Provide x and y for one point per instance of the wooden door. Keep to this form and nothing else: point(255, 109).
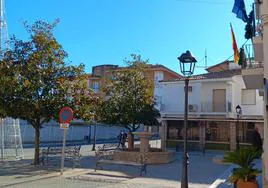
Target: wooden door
point(219, 100)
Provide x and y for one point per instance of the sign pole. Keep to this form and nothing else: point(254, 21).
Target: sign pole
point(62, 151)
point(65, 117)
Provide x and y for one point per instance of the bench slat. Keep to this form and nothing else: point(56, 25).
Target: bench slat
point(72, 152)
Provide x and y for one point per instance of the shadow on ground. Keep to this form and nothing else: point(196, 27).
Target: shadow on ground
point(201, 169)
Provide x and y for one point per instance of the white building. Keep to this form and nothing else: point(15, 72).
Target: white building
point(213, 98)
point(256, 75)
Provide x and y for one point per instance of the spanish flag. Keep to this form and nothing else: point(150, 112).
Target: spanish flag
point(236, 52)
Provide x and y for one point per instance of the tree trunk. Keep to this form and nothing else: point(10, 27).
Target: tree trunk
point(37, 146)
point(130, 141)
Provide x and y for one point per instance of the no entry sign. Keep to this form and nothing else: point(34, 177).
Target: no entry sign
point(66, 115)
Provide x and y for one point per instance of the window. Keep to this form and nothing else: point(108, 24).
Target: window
point(248, 96)
point(96, 86)
point(246, 131)
point(176, 130)
point(217, 131)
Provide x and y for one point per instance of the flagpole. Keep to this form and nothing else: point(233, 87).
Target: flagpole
point(254, 24)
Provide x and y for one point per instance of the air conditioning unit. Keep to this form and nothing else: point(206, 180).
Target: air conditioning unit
point(193, 108)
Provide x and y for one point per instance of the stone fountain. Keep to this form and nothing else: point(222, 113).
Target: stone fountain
point(153, 155)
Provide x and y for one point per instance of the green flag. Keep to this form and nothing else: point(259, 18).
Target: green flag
point(242, 58)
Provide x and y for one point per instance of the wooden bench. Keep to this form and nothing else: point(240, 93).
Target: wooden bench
point(105, 153)
point(72, 153)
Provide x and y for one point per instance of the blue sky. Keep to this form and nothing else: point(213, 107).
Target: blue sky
point(97, 32)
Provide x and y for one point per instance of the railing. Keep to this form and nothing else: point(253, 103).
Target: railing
point(254, 65)
point(203, 107)
point(210, 106)
point(253, 56)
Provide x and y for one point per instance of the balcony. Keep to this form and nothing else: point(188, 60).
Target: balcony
point(203, 110)
point(252, 71)
point(216, 107)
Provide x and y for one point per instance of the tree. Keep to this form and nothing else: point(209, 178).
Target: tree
point(249, 29)
point(84, 101)
point(37, 82)
point(129, 97)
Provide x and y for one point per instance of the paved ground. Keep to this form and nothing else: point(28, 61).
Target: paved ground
point(202, 173)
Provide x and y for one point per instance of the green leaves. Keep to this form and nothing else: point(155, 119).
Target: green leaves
point(130, 99)
point(36, 79)
point(246, 174)
point(36, 82)
point(244, 158)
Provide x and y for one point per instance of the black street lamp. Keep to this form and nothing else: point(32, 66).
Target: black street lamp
point(94, 135)
point(187, 65)
point(238, 115)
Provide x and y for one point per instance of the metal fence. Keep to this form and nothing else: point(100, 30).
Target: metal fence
point(10, 139)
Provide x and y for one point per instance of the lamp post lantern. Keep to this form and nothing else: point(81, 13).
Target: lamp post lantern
point(187, 65)
point(238, 115)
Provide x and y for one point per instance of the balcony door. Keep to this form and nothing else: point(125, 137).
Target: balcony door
point(219, 100)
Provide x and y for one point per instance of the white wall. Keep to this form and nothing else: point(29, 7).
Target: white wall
point(173, 95)
point(51, 132)
point(172, 99)
point(234, 66)
point(256, 109)
point(158, 90)
point(202, 93)
point(207, 92)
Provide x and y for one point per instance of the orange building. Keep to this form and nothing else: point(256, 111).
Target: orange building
point(156, 73)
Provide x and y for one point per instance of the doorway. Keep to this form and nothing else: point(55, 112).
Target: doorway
point(219, 100)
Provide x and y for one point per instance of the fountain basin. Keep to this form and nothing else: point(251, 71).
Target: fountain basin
point(153, 157)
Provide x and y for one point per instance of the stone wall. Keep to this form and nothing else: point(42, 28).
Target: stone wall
point(152, 157)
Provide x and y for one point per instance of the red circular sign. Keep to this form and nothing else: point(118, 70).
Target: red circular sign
point(66, 115)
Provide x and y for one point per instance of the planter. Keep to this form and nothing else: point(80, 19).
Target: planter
point(248, 184)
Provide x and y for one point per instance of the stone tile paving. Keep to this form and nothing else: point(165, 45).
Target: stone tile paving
point(202, 173)
point(60, 182)
point(18, 171)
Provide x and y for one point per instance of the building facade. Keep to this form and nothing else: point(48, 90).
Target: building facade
point(213, 98)
point(255, 74)
point(155, 73)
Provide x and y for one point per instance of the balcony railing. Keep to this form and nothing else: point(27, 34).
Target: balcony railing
point(211, 106)
point(254, 65)
point(208, 107)
point(254, 55)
